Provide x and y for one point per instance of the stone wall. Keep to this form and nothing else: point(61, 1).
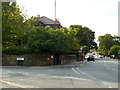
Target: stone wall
point(36, 59)
point(67, 58)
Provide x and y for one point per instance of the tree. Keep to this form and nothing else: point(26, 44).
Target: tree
point(105, 43)
point(71, 38)
point(12, 25)
point(84, 35)
point(117, 40)
point(114, 50)
point(50, 40)
point(31, 22)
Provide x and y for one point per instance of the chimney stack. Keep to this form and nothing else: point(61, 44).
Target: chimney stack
point(38, 16)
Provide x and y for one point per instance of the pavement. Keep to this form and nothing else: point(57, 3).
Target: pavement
point(73, 64)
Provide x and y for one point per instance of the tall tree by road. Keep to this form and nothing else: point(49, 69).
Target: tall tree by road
point(84, 35)
point(12, 25)
point(105, 43)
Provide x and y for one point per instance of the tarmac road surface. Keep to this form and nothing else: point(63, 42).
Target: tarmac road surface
point(103, 73)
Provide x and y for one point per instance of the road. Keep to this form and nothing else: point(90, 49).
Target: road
point(103, 73)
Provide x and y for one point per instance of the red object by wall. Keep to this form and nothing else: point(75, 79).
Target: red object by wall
point(48, 59)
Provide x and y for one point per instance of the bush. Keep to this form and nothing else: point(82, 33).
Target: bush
point(114, 50)
point(15, 50)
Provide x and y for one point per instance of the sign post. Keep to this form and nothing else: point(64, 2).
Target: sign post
point(82, 53)
point(20, 61)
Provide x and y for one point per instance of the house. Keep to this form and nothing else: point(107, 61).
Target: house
point(45, 21)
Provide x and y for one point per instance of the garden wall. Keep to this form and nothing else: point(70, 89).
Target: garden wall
point(36, 59)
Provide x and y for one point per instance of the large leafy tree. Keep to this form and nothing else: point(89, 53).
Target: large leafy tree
point(84, 35)
point(105, 43)
point(29, 24)
point(49, 40)
point(12, 25)
point(71, 40)
point(37, 39)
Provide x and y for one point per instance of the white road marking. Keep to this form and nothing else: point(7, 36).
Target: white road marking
point(110, 84)
point(109, 87)
point(75, 71)
point(110, 67)
point(66, 77)
point(18, 85)
point(93, 78)
point(81, 72)
point(106, 84)
point(85, 73)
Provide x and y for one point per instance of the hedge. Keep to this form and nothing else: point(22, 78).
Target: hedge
point(15, 50)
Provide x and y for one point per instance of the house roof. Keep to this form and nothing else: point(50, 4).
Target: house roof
point(48, 21)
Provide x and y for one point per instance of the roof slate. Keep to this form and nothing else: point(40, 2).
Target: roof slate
point(46, 20)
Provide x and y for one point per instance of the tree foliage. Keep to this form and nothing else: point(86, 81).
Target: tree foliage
point(117, 40)
point(55, 41)
point(106, 42)
point(12, 25)
point(114, 50)
point(28, 34)
point(84, 35)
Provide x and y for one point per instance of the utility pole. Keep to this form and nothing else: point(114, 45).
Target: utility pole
point(55, 10)
point(54, 55)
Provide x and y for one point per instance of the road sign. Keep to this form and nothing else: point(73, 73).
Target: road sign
point(51, 56)
point(20, 59)
point(81, 48)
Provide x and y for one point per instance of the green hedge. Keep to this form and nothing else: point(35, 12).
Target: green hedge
point(15, 50)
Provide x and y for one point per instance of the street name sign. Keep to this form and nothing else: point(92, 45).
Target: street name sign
point(20, 58)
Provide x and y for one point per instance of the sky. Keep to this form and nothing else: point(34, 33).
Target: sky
point(101, 16)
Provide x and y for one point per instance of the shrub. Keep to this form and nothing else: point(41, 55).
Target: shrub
point(15, 50)
point(114, 50)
